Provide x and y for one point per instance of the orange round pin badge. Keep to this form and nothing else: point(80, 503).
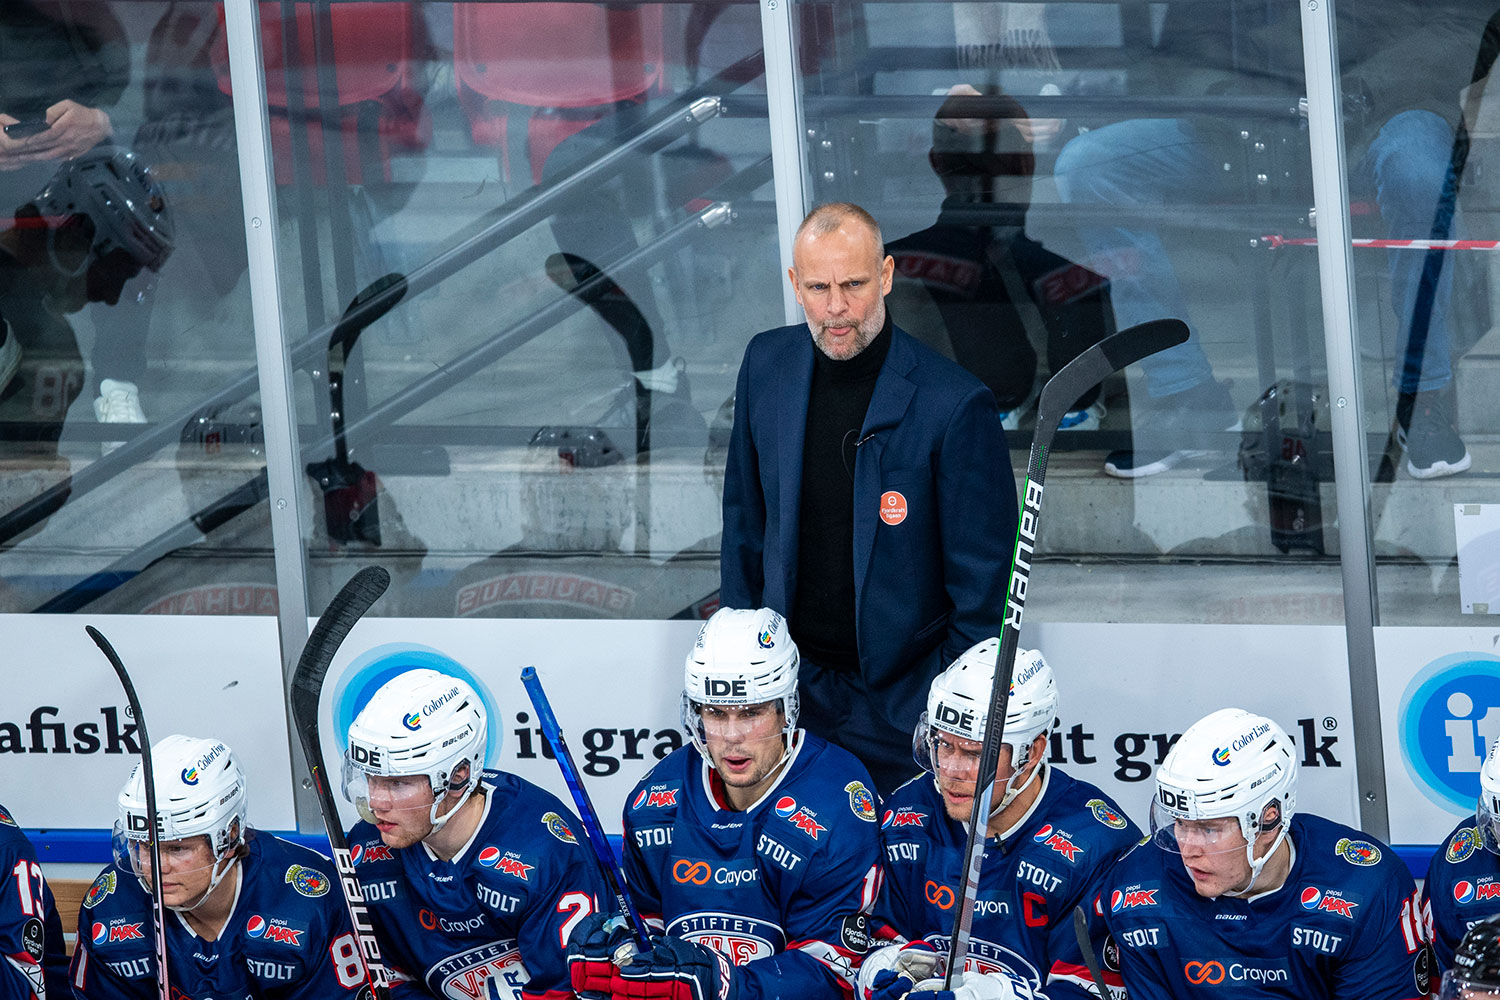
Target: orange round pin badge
point(892, 507)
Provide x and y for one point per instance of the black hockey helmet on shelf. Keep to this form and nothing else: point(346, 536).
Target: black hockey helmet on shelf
point(1475, 971)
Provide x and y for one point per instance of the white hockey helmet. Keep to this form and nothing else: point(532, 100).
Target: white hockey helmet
point(200, 791)
point(740, 658)
point(1229, 764)
point(958, 702)
point(421, 722)
point(1487, 816)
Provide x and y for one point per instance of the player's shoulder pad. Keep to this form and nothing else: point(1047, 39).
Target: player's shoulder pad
point(114, 894)
point(826, 789)
point(291, 872)
point(527, 837)
point(1094, 817)
point(1333, 850)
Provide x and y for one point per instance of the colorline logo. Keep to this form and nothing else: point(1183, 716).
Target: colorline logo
point(1449, 716)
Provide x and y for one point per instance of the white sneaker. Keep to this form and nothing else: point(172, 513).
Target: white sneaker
point(1086, 419)
point(10, 355)
point(118, 403)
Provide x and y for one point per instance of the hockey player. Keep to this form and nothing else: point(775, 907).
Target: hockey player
point(1463, 879)
point(471, 875)
point(1475, 974)
point(31, 937)
point(1050, 842)
point(754, 849)
point(250, 915)
point(1239, 895)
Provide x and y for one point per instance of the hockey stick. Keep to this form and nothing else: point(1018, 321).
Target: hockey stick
point(158, 909)
point(1090, 960)
point(343, 612)
point(1076, 377)
point(609, 866)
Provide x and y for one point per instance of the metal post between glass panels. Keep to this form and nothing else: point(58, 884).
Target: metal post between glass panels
point(788, 136)
point(273, 360)
point(1351, 459)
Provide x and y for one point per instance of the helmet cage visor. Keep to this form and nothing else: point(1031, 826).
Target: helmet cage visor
point(182, 858)
point(733, 725)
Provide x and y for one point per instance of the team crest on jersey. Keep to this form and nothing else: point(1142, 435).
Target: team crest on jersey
point(307, 881)
point(861, 802)
point(740, 939)
point(103, 886)
point(1328, 901)
point(555, 826)
point(801, 817)
point(655, 797)
point(1357, 852)
point(275, 929)
point(371, 851)
point(1058, 841)
point(1463, 844)
point(5, 818)
point(1104, 814)
point(468, 975)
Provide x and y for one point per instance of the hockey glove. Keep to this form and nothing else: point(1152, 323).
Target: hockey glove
point(1000, 985)
point(676, 970)
point(891, 972)
point(591, 951)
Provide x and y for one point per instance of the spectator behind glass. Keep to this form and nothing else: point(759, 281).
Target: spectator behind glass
point(1402, 64)
point(63, 65)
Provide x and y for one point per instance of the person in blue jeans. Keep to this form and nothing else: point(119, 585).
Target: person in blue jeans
point(1402, 68)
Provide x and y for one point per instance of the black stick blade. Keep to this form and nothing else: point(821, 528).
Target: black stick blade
point(341, 615)
point(1094, 365)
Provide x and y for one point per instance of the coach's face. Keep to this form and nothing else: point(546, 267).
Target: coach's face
point(841, 283)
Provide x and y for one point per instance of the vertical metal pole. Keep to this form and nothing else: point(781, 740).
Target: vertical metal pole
point(252, 130)
point(1325, 121)
point(788, 134)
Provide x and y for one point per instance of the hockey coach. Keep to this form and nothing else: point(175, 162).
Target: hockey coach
point(868, 497)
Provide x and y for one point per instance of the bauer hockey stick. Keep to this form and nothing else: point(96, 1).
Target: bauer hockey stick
point(1076, 377)
point(609, 866)
point(343, 612)
point(158, 909)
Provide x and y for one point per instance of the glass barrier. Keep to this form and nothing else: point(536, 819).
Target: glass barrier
point(1421, 135)
point(132, 482)
point(1048, 173)
point(524, 246)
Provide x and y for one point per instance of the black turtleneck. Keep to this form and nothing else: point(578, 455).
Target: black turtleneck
point(822, 618)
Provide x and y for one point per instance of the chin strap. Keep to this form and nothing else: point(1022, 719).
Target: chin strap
point(1256, 867)
point(222, 866)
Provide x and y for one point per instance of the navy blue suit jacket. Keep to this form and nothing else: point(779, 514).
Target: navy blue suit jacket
point(926, 588)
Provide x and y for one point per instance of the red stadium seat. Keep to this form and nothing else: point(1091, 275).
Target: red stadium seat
point(380, 105)
point(563, 65)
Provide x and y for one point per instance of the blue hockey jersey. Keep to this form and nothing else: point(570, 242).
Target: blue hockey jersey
point(1056, 859)
point(1343, 926)
point(783, 889)
point(288, 937)
point(501, 909)
point(1462, 888)
point(32, 961)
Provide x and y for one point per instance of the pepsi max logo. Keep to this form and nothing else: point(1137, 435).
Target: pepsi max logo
point(653, 798)
point(1469, 892)
point(489, 857)
point(117, 930)
point(1327, 901)
point(256, 926)
point(785, 806)
point(1119, 900)
point(1042, 834)
point(412, 721)
point(190, 776)
point(273, 930)
point(902, 817)
point(101, 933)
point(365, 853)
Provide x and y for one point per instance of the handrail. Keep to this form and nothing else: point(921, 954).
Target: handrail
point(691, 110)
